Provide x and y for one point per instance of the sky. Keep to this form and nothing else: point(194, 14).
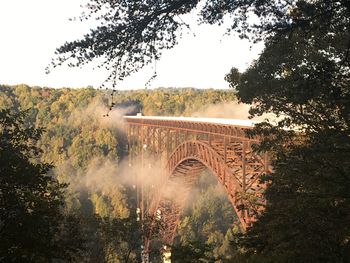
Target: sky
point(31, 30)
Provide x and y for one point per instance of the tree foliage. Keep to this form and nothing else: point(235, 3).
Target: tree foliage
point(206, 229)
point(132, 34)
point(30, 199)
point(303, 77)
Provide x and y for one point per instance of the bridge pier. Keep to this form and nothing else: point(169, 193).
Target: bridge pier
point(166, 254)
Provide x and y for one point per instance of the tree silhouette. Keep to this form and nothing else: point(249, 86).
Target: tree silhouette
point(30, 199)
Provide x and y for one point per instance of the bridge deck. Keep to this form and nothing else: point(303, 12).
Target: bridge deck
point(216, 126)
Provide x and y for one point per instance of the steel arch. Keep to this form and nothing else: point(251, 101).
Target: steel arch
point(186, 162)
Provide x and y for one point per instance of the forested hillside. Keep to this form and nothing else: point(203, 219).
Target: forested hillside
point(86, 147)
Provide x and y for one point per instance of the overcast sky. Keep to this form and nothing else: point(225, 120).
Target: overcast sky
point(31, 30)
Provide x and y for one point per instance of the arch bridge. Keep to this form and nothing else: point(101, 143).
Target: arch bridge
point(183, 148)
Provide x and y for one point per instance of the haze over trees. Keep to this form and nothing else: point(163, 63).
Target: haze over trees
point(302, 75)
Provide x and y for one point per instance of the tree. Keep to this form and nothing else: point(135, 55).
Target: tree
point(93, 238)
point(204, 231)
point(307, 214)
point(133, 34)
point(303, 77)
point(30, 199)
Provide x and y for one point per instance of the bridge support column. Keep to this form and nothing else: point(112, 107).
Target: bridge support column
point(166, 254)
point(144, 255)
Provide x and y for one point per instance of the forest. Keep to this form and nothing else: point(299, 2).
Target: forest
point(85, 149)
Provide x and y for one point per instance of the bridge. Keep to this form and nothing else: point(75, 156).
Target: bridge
point(183, 148)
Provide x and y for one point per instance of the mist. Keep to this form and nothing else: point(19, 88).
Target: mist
point(231, 110)
point(102, 178)
point(98, 112)
point(108, 178)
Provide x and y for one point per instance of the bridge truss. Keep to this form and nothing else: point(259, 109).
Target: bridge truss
point(183, 148)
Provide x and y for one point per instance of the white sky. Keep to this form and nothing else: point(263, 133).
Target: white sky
point(31, 30)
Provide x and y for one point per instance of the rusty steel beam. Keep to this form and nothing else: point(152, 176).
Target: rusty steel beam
point(236, 131)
